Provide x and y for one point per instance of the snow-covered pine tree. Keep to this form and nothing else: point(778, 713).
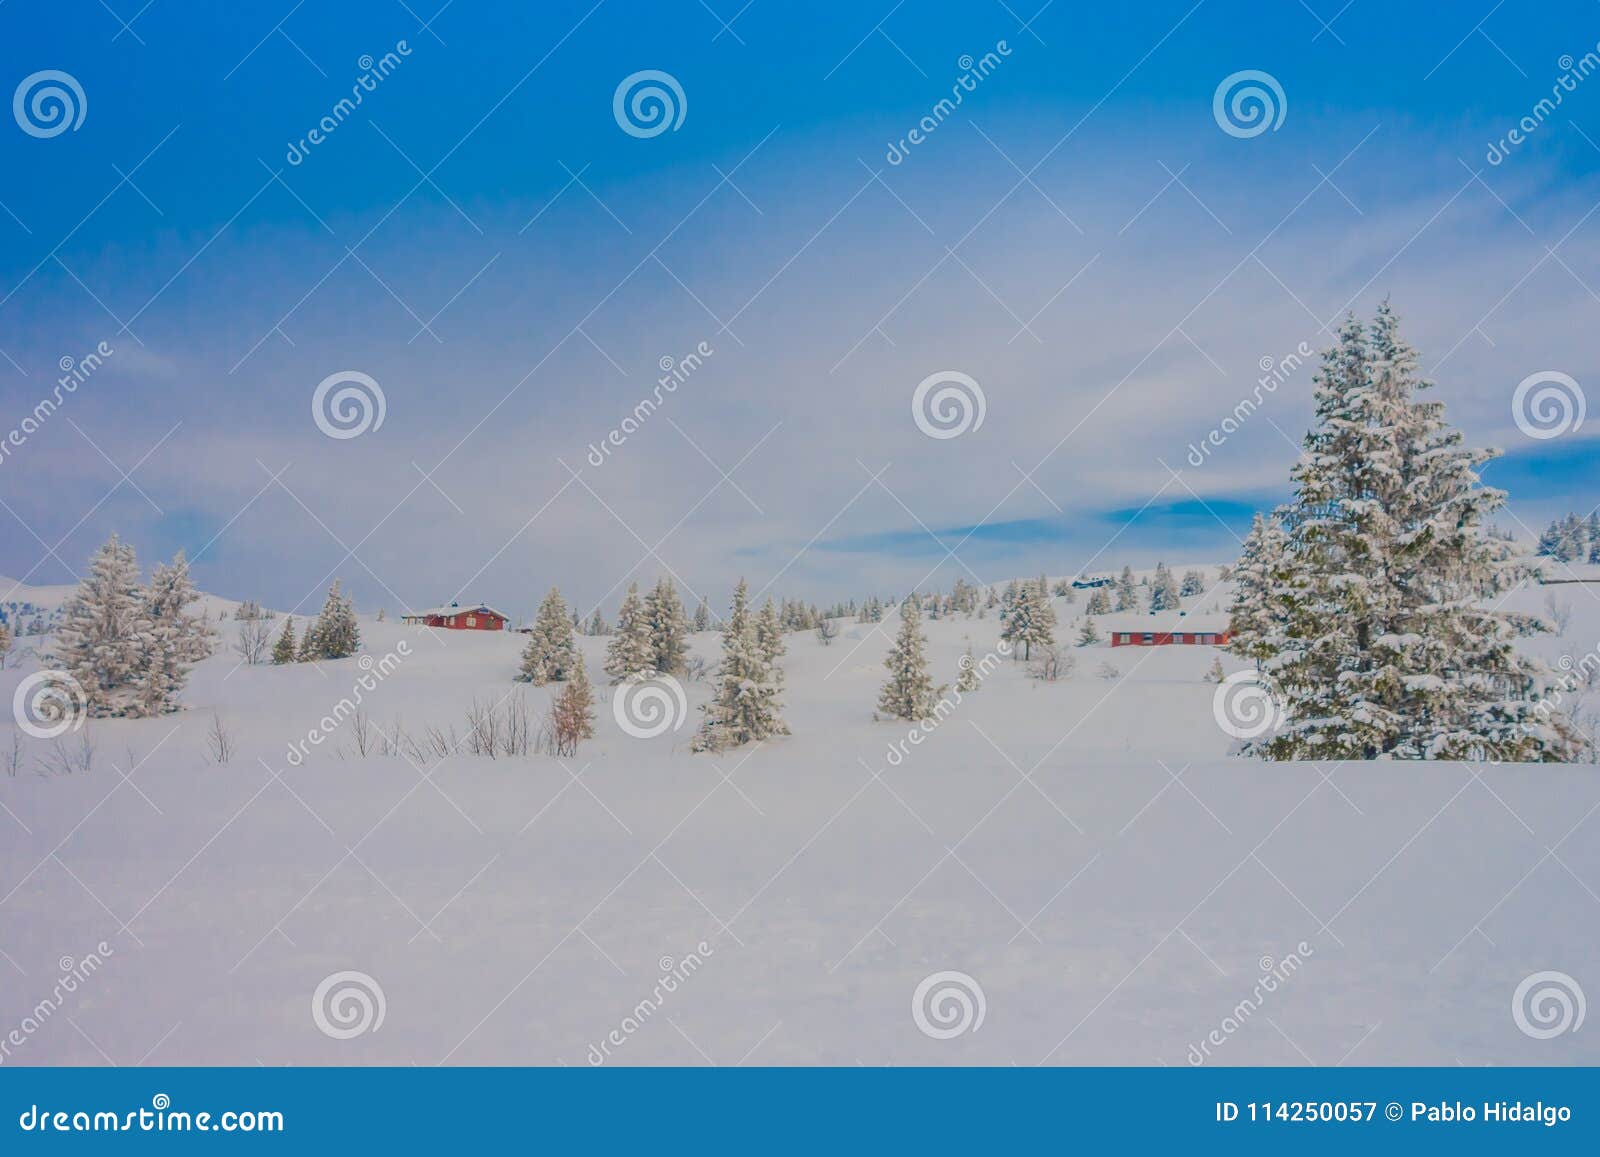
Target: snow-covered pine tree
point(283, 651)
point(1099, 602)
point(967, 680)
point(335, 634)
point(551, 652)
point(909, 692)
point(1163, 590)
point(669, 632)
point(5, 642)
point(1258, 614)
point(597, 624)
point(744, 708)
point(103, 634)
point(1391, 647)
point(631, 652)
point(175, 639)
point(770, 646)
point(572, 713)
point(1127, 591)
point(1088, 634)
point(702, 616)
point(1194, 583)
point(1031, 622)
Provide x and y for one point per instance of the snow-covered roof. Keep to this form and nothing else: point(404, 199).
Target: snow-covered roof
point(463, 609)
point(1165, 622)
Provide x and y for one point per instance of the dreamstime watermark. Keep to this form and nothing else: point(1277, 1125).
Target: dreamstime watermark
point(948, 1004)
point(1249, 102)
point(673, 975)
point(1248, 704)
point(161, 1117)
point(1573, 73)
point(649, 102)
point(649, 704)
point(1274, 974)
point(48, 103)
point(948, 404)
point(48, 704)
point(347, 404)
point(923, 728)
point(74, 974)
point(1548, 404)
point(374, 672)
point(973, 73)
point(74, 373)
point(1547, 1004)
point(373, 73)
point(348, 1004)
point(674, 372)
point(1274, 372)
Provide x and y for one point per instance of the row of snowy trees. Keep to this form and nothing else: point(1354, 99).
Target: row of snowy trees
point(1572, 539)
point(333, 634)
point(130, 646)
point(1366, 599)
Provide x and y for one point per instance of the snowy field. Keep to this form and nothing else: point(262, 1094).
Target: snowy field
point(1087, 851)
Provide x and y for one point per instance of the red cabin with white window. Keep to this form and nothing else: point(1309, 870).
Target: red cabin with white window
point(455, 617)
point(1165, 629)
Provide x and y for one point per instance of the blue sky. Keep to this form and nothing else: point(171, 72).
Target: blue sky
point(483, 239)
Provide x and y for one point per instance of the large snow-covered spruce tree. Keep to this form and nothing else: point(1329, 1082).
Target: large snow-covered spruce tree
point(1376, 619)
point(103, 632)
point(745, 706)
point(631, 653)
point(669, 628)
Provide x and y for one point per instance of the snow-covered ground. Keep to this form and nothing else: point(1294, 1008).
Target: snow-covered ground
point(1086, 851)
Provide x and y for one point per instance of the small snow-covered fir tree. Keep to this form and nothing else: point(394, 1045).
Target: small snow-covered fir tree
point(702, 616)
point(1163, 590)
point(103, 632)
point(909, 692)
point(631, 652)
point(744, 708)
point(1194, 583)
point(669, 632)
point(283, 651)
point(770, 645)
point(551, 652)
point(967, 680)
point(1088, 634)
point(597, 624)
point(1099, 602)
point(572, 713)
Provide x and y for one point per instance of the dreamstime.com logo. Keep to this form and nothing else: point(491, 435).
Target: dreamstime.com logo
point(348, 1004)
point(649, 705)
point(347, 404)
point(948, 1004)
point(1255, 105)
point(1547, 1004)
point(48, 103)
point(48, 704)
point(1248, 704)
point(948, 404)
point(648, 103)
point(1548, 404)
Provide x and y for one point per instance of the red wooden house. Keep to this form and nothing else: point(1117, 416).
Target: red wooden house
point(1166, 628)
point(472, 617)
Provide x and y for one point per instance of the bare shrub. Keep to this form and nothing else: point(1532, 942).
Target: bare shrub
point(1051, 663)
point(694, 668)
point(218, 741)
point(1108, 672)
point(66, 756)
point(13, 758)
point(255, 640)
point(1559, 612)
point(827, 631)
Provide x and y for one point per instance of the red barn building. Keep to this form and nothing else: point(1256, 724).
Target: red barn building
point(473, 617)
point(1166, 628)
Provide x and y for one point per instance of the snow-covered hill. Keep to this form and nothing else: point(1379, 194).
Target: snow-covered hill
point(1085, 851)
